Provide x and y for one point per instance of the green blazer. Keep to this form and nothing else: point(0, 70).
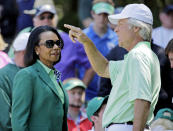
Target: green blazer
point(7, 75)
point(36, 105)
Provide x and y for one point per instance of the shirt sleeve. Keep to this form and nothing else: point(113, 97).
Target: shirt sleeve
point(139, 78)
point(114, 68)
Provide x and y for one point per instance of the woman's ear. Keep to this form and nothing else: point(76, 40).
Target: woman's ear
point(37, 50)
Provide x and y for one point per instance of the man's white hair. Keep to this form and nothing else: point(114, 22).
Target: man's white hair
point(145, 31)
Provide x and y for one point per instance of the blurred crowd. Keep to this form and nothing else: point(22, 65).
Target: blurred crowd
point(47, 82)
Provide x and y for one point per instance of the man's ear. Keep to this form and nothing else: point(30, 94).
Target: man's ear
point(136, 29)
point(92, 13)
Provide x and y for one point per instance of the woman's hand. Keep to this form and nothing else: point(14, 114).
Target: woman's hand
point(76, 34)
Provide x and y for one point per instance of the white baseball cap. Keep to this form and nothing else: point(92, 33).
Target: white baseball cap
point(20, 42)
point(41, 9)
point(137, 11)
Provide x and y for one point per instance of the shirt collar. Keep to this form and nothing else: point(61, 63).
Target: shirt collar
point(143, 43)
point(47, 69)
point(138, 44)
point(82, 115)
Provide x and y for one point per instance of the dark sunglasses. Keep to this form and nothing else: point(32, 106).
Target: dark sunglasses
point(51, 43)
point(50, 17)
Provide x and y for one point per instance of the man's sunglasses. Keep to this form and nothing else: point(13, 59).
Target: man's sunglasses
point(51, 43)
point(50, 17)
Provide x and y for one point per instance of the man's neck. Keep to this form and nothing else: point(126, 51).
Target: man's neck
point(74, 113)
point(167, 27)
point(19, 61)
point(134, 43)
point(99, 31)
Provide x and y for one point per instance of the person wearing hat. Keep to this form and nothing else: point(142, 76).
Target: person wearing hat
point(163, 34)
point(100, 32)
point(4, 59)
point(76, 118)
point(136, 79)
point(95, 109)
point(6, 80)
point(42, 15)
point(163, 120)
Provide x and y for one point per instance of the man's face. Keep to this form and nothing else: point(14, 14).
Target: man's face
point(100, 20)
point(43, 19)
point(76, 97)
point(98, 119)
point(170, 56)
point(125, 34)
point(167, 20)
point(100, 114)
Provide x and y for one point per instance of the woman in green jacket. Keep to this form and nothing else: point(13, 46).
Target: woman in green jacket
point(39, 103)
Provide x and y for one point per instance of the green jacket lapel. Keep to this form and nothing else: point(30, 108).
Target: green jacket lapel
point(46, 79)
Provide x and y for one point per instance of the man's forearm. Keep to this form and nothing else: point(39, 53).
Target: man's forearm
point(141, 112)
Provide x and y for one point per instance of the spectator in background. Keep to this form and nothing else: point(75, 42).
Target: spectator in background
point(163, 120)
point(8, 19)
point(71, 55)
point(84, 12)
point(169, 52)
point(163, 34)
point(102, 35)
point(24, 20)
point(95, 109)
point(76, 118)
point(7, 75)
point(4, 59)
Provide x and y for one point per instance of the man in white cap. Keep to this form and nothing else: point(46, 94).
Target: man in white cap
point(6, 80)
point(136, 79)
point(42, 15)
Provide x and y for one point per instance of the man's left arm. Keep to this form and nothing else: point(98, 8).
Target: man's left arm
point(141, 112)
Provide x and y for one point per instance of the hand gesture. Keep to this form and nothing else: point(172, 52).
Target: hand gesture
point(76, 34)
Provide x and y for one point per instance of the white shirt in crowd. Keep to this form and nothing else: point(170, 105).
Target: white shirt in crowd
point(161, 36)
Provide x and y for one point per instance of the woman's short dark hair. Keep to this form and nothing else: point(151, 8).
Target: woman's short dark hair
point(169, 47)
point(30, 56)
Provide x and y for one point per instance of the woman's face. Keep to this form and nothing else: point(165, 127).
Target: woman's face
point(48, 55)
